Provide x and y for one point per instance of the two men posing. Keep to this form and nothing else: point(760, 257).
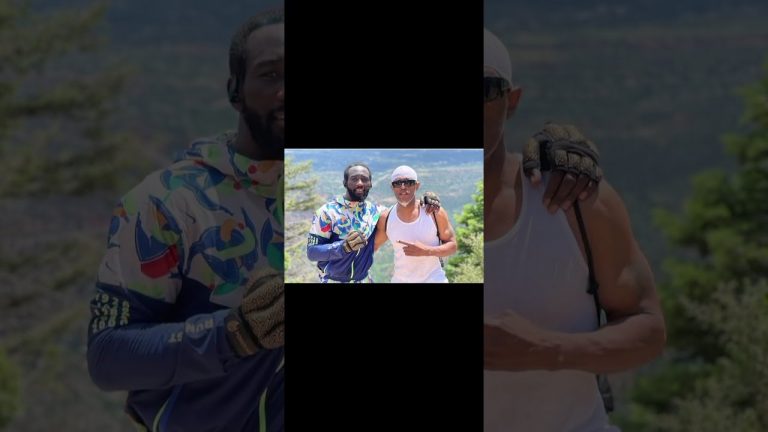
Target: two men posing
point(420, 231)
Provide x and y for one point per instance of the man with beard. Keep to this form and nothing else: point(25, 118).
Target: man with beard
point(419, 240)
point(338, 238)
point(543, 341)
point(189, 306)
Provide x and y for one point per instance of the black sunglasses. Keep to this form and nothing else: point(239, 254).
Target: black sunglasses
point(495, 87)
point(398, 183)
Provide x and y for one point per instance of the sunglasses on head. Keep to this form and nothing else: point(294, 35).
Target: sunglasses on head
point(399, 183)
point(495, 87)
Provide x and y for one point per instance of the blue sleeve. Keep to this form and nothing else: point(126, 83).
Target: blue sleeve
point(320, 246)
point(322, 249)
point(131, 347)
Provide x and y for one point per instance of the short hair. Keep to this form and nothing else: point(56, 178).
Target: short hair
point(354, 164)
point(238, 54)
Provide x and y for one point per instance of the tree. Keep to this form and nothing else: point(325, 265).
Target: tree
point(735, 395)
point(467, 265)
point(300, 197)
point(9, 390)
point(55, 142)
point(54, 107)
point(722, 231)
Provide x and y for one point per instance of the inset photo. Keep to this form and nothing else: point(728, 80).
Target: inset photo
point(375, 215)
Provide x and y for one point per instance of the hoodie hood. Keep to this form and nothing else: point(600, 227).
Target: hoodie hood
point(342, 201)
point(265, 177)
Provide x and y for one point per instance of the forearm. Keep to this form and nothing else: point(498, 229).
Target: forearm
point(143, 356)
point(325, 252)
point(619, 346)
point(444, 250)
point(129, 350)
point(379, 240)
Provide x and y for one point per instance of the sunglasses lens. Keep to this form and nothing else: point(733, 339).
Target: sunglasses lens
point(488, 91)
point(494, 88)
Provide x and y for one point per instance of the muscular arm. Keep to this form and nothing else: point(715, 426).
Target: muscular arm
point(381, 235)
point(446, 234)
point(635, 333)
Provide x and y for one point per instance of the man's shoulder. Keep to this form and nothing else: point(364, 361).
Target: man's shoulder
point(443, 213)
point(605, 202)
point(164, 184)
point(149, 185)
point(374, 207)
point(187, 168)
point(605, 213)
point(329, 207)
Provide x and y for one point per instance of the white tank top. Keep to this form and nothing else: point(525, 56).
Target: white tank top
point(538, 271)
point(413, 269)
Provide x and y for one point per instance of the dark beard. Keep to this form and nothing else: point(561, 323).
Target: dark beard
point(355, 197)
point(263, 132)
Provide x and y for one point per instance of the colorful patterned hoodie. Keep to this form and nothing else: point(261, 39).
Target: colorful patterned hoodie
point(182, 247)
point(330, 226)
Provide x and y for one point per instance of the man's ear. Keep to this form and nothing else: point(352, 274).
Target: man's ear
point(233, 92)
point(513, 98)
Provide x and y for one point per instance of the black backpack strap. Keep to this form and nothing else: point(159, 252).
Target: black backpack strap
point(439, 240)
point(386, 218)
point(593, 285)
point(602, 381)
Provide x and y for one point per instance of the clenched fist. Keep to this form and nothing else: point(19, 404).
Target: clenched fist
point(259, 321)
point(355, 241)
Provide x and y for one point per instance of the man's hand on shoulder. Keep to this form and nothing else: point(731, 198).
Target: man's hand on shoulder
point(573, 160)
point(431, 202)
